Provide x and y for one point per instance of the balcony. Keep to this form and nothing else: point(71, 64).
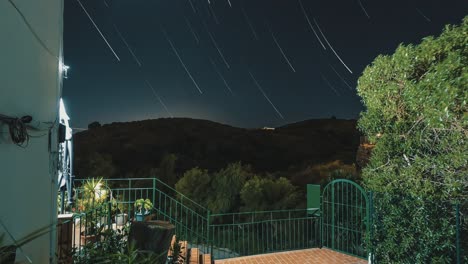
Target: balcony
point(337, 232)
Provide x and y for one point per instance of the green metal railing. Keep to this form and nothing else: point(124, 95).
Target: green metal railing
point(189, 217)
point(250, 233)
point(88, 225)
point(342, 223)
point(127, 191)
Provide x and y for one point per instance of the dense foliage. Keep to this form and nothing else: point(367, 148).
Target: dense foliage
point(263, 194)
point(112, 247)
point(325, 173)
point(416, 114)
point(236, 188)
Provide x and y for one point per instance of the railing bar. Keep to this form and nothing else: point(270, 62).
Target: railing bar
point(229, 239)
point(261, 212)
point(354, 217)
point(258, 239)
point(147, 180)
point(170, 208)
point(296, 235)
point(307, 233)
point(304, 235)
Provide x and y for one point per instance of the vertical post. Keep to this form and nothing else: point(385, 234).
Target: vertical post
point(289, 225)
point(274, 236)
point(210, 245)
point(333, 215)
point(457, 210)
point(109, 215)
point(154, 192)
point(370, 227)
point(321, 220)
point(129, 198)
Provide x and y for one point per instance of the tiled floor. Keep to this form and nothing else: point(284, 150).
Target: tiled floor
point(311, 256)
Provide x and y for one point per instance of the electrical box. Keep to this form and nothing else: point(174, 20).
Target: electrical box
point(313, 199)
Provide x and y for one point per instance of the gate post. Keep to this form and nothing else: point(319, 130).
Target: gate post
point(457, 211)
point(321, 220)
point(370, 223)
point(333, 216)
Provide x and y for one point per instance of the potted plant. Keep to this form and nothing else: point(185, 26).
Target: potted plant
point(92, 201)
point(141, 204)
point(120, 208)
point(92, 194)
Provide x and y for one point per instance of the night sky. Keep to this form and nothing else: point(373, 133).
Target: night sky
point(270, 41)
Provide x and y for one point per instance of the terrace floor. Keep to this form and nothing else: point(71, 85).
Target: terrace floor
point(310, 256)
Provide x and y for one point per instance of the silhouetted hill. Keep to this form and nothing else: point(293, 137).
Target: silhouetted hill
point(133, 148)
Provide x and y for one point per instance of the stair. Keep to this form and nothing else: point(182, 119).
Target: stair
point(194, 256)
point(183, 251)
point(206, 259)
point(197, 258)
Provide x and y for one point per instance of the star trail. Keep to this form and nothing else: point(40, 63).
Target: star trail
point(308, 56)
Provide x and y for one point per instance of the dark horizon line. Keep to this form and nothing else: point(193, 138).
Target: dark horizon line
point(218, 122)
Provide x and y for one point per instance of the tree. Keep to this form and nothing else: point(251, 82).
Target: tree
point(99, 165)
point(166, 169)
point(417, 116)
point(263, 194)
point(324, 173)
point(94, 125)
point(196, 185)
point(226, 186)
point(218, 191)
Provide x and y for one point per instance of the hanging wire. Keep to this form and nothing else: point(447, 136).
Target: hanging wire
point(18, 129)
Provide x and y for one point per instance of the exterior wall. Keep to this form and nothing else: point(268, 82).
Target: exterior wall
point(30, 84)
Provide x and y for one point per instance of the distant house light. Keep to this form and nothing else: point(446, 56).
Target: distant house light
point(268, 128)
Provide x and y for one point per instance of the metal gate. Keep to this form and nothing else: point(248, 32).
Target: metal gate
point(345, 208)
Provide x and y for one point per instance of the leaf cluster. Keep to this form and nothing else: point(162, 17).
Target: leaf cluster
point(417, 116)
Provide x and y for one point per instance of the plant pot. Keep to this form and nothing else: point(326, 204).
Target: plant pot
point(153, 236)
point(139, 217)
point(7, 254)
point(121, 219)
point(87, 239)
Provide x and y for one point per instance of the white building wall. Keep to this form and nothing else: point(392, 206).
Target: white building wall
point(30, 84)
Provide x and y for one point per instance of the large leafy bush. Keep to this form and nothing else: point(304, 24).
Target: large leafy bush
point(416, 114)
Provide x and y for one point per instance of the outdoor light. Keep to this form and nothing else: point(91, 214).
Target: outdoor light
point(64, 70)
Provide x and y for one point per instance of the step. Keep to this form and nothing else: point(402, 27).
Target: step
point(170, 252)
point(183, 251)
point(206, 259)
point(194, 256)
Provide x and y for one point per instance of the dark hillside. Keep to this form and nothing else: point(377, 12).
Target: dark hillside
point(134, 148)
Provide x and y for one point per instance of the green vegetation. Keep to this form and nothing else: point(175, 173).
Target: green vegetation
point(236, 188)
point(262, 194)
point(112, 246)
point(94, 193)
point(416, 114)
point(141, 204)
point(325, 173)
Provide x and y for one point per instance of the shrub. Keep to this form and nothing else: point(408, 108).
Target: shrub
point(416, 114)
